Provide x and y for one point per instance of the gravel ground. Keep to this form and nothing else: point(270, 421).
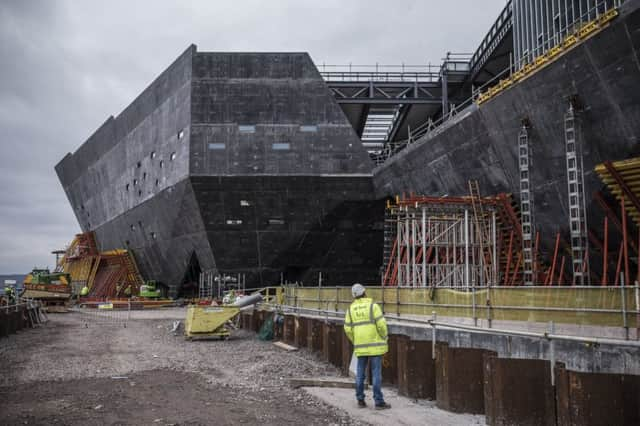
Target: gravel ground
point(243, 380)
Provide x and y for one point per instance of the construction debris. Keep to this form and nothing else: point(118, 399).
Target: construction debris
point(284, 346)
point(323, 383)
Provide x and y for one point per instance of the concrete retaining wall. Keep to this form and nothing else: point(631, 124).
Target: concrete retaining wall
point(470, 379)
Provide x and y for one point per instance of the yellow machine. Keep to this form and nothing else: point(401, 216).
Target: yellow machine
point(212, 321)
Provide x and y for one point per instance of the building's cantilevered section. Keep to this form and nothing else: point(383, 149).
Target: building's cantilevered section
point(234, 162)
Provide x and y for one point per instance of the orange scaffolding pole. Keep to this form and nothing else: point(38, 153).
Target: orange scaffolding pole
point(619, 265)
point(535, 259)
point(605, 252)
point(515, 271)
point(549, 280)
point(391, 262)
point(561, 276)
point(624, 240)
point(509, 256)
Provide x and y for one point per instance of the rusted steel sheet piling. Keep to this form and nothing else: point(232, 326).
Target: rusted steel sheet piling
point(416, 368)
point(332, 343)
point(300, 331)
point(460, 379)
point(390, 362)
point(16, 318)
point(518, 392)
point(288, 330)
point(347, 352)
point(314, 335)
point(596, 398)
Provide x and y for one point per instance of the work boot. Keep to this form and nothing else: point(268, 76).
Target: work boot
point(383, 406)
point(361, 403)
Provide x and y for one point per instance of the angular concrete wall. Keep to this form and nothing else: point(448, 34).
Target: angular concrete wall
point(603, 72)
point(268, 114)
point(236, 162)
point(134, 156)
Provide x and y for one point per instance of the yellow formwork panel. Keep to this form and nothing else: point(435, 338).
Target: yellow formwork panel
point(570, 305)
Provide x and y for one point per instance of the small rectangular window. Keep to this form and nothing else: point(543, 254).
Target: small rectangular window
point(281, 146)
point(217, 145)
point(181, 134)
point(244, 203)
point(246, 128)
point(234, 222)
point(309, 128)
point(276, 222)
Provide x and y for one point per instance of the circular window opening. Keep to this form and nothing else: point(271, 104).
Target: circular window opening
point(139, 192)
point(161, 163)
point(139, 164)
point(153, 155)
point(135, 182)
point(133, 227)
point(144, 176)
point(127, 187)
point(153, 235)
point(157, 182)
point(173, 156)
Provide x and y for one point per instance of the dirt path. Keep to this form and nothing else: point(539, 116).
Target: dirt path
point(67, 373)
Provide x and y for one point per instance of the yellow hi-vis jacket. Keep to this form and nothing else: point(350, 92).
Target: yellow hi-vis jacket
point(366, 328)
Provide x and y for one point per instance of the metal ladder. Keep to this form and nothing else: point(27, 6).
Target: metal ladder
point(577, 207)
point(526, 206)
point(483, 232)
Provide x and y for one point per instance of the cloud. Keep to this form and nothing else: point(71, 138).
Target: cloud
point(67, 65)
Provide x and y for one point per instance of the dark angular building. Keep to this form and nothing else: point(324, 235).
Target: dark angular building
point(234, 162)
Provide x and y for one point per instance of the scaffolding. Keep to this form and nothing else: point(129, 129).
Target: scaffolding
point(214, 285)
point(440, 242)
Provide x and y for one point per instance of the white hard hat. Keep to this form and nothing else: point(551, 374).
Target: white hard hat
point(357, 290)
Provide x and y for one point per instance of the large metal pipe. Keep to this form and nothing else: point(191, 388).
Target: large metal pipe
point(247, 300)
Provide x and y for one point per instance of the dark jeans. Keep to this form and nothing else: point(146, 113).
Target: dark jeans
point(376, 373)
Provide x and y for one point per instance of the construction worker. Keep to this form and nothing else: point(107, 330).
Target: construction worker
point(10, 293)
point(366, 328)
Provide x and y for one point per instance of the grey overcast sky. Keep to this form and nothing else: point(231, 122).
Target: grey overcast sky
point(65, 66)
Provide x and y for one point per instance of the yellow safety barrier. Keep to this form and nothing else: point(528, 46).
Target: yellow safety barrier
point(587, 306)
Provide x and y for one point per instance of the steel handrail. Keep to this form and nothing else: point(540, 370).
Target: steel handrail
point(474, 329)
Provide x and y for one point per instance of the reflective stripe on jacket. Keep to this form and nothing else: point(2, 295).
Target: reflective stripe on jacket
point(366, 328)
